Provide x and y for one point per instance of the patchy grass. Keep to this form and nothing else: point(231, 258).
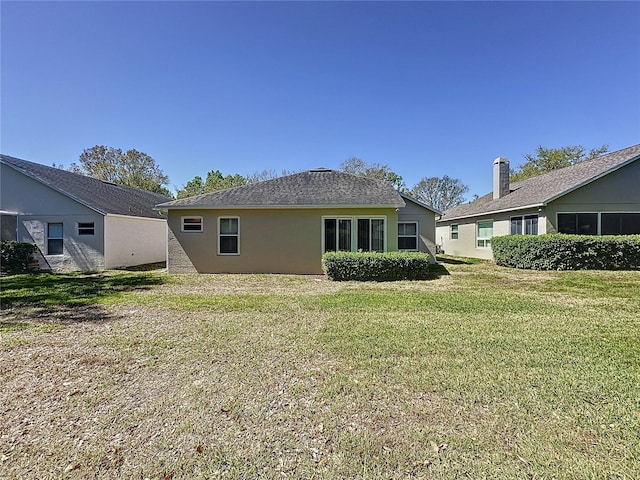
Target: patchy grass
point(483, 373)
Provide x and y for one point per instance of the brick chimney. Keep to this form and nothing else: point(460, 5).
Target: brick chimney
point(500, 177)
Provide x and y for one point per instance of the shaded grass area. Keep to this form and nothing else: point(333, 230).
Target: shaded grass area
point(71, 289)
point(483, 373)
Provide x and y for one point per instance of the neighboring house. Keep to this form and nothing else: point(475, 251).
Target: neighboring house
point(284, 225)
point(79, 222)
point(594, 197)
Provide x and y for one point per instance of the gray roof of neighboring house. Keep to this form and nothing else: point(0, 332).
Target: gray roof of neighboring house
point(104, 197)
point(311, 189)
point(539, 191)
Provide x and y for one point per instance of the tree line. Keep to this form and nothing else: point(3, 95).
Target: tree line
point(139, 170)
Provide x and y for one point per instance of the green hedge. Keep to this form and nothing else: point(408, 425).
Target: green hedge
point(368, 266)
point(16, 257)
point(567, 252)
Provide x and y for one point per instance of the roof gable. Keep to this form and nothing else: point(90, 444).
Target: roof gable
point(103, 197)
point(543, 189)
point(311, 189)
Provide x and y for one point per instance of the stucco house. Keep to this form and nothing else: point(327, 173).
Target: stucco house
point(594, 197)
point(284, 225)
point(78, 222)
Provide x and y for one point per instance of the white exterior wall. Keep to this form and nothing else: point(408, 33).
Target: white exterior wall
point(35, 205)
point(131, 241)
point(466, 246)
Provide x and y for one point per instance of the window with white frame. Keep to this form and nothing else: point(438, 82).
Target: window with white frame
point(348, 234)
point(408, 236)
point(525, 225)
point(86, 228)
point(484, 232)
point(228, 236)
point(192, 224)
point(55, 239)
point(453, 230)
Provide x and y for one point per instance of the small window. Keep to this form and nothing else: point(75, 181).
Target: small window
point(228, 236)
point(86, 228)
point(408, 236)
point(484, 233)
point(454, 232)
point(192, 224)
point(55, 242)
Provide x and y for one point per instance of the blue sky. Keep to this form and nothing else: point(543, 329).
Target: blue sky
point(428, 88)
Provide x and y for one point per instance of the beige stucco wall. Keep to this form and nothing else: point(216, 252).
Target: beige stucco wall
point(36, 205)
point(131, 241)
point(271, 241)
point(426, 225)
point(466, 245)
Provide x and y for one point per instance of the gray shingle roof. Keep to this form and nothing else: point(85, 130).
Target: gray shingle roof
point(541, 190)
point(313, 188)
point(104, 197)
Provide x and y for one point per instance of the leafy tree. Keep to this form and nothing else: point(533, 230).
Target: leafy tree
point(548, 159)
point(215, 181)
point(131, 168)
point(357, 166)
point(192, 188)
point(442, 193)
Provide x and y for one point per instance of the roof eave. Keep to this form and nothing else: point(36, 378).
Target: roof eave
point(493, 212)
point(164, 207)
point(421, 203)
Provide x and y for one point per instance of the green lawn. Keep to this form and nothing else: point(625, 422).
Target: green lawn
point(482, 372)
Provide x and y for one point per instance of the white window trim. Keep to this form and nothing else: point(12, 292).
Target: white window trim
point(416, 236)
point(457, 232)
point(194, 217)
point(55, 238)
point(229, 235)
point(354, 228)
point(523, 226)
point(78, 228)
point(486, 240)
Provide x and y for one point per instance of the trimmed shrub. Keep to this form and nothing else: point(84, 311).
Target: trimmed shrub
point(367, 266)
point(16, 257)
point(567, 252)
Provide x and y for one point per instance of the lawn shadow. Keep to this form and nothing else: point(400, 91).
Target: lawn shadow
point(458, 260)
point(66, 297)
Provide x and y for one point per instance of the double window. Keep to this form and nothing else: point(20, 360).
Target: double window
point(526, 225)
point(408, 236)
point(349, 234)
point(55, 239)
point(453, 230)
point(228, 236)
point(484, 232)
